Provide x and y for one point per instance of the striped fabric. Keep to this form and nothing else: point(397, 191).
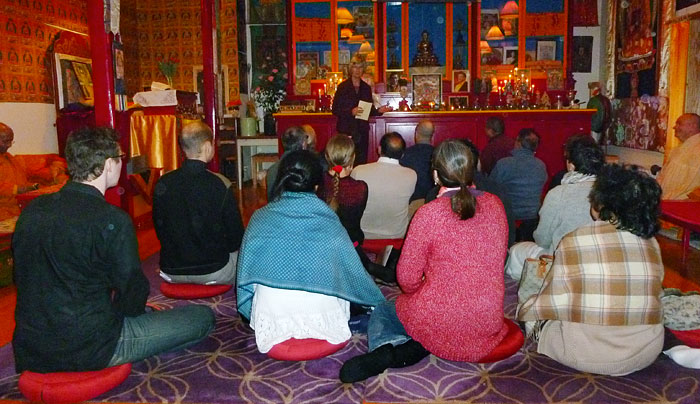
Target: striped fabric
point(601, 276)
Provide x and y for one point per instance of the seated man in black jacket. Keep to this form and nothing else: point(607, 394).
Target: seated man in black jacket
point(81, 293)
point(196, 216)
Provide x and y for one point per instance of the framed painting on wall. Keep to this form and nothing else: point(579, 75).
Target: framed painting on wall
point(459, 102)
point(307, 65)
point(460, 81)
point(73, 79)
point(427, 88)
point(489, 18)
point(546, 50)
point(510, 55)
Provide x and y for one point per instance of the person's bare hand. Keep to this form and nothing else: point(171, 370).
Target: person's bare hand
point(385, 108)
point(356, 111)
point(28, 188)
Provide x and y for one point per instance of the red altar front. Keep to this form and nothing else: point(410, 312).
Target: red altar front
point(554, 127)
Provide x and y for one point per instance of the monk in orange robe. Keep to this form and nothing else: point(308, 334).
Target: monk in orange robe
point(13, 176)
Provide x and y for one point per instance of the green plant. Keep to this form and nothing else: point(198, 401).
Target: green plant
point(271, 82)
point(168, 68)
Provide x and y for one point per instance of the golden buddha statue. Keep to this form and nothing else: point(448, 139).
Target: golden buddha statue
point(424, 54)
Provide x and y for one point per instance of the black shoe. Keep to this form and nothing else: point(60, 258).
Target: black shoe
point(386, 274)
point(365, 366)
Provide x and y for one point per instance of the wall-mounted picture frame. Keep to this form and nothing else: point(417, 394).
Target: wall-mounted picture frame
point(392, 77)
point(546, 50)
point(427, 88)
point(198, 82)
point(460, 81)
point(458, 102)
point(687, 7)
point(510, 55)
point(307, 65)
point(73, 80)
point(489, 18)
point(583, 54)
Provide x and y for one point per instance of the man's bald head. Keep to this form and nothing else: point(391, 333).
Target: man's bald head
point(392, 145)
point(194, 135)
point(7, 136)
point(424, 132)
point(686, 126)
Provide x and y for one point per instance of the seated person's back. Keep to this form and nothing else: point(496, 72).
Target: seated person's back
point(523, 175)
point(417, 158)
point(566, 207)
point(196, 216)
point(81, 292)
point(600, 307)
point(390, 188)
point(297, 263)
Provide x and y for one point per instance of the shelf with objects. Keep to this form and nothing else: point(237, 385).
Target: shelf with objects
point(460, 55)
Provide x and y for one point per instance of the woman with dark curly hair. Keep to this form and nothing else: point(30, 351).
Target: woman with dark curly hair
point(599, 309)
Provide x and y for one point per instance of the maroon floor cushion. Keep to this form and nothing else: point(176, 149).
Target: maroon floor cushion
point(690, 337)
point(192, 290)
point(303, 349)
point(511, 343)
point(71, 387)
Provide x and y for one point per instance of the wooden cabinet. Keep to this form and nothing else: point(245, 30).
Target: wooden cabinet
point(554, 127)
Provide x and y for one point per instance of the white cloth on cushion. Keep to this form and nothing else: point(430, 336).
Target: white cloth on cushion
point(280, 314)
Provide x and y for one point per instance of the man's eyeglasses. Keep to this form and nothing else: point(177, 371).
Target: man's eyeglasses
point(120, 156)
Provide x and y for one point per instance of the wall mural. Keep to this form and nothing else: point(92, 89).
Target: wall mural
point(171, 30)
point(25, 73)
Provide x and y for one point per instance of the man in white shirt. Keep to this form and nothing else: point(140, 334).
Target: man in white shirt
point(390, 187)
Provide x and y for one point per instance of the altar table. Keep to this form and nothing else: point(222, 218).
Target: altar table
point(554, 127)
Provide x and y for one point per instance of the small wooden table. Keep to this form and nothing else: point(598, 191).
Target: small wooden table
point(685, 214)
point(251, 141)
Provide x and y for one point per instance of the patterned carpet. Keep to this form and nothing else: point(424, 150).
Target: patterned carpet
point(227, 368)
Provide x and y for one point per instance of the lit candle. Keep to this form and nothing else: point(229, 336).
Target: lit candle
point(516, 69)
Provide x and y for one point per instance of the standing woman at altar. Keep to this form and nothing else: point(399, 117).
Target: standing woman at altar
point(345, 106)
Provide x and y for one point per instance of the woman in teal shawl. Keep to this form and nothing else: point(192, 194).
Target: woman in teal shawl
point(297, 268)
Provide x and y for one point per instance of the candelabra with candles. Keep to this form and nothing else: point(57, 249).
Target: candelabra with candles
point(516, 92)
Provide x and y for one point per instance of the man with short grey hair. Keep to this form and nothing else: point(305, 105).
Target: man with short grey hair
point(196, 216)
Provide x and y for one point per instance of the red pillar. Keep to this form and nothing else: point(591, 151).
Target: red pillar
point(102, 75)
point(209, 101)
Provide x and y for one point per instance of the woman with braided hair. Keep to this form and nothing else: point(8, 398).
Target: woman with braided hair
point(297, 269)
point(348, 198)
point(451, 275)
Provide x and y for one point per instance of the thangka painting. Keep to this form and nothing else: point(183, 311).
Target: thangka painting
point(636, 27)
point(639, 123)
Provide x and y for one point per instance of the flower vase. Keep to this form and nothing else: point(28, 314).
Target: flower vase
point(170, 81)
point(269, 125)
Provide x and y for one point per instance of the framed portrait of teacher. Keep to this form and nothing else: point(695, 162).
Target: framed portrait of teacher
point(460, 81)
point(73, 80)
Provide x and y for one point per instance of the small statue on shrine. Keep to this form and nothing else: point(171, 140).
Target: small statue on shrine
point(424, 53)
point(545, 102)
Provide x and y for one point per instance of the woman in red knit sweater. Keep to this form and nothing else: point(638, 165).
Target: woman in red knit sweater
point(451, 275)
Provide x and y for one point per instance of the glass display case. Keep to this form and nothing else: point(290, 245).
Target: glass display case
point(460, 40)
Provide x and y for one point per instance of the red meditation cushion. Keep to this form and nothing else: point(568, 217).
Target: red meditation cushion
point(377, 246)
point(689, 337)
point(192, 290)
point(511, 343)
point(71, 387)
point(303, 349)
